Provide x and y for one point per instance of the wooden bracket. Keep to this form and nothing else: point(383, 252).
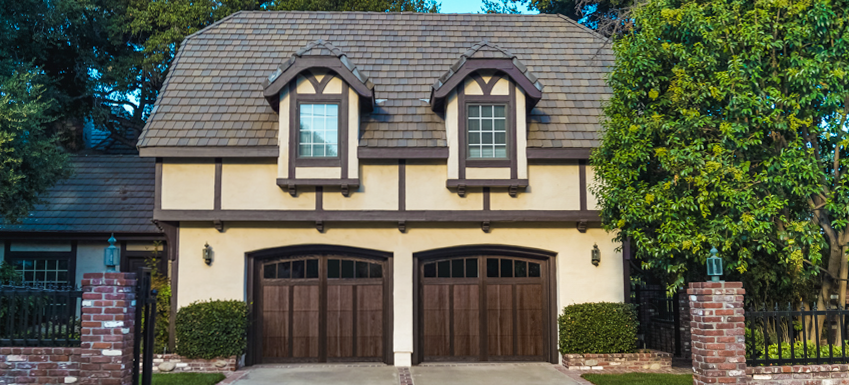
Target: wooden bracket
point(293, 190)
point(345, 191)
point(513, 190)
point(461, 190)
point(402, 226)
point(157, 224)
point(485, 226)
point(319, 225)
point(582, 226)
point(219, 225)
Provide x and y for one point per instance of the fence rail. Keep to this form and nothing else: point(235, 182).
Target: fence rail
point(39, 316)
point(796, 336)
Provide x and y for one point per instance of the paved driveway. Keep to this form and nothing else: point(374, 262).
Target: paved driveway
point(428, 374)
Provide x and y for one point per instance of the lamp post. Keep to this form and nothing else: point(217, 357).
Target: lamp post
point(714, 265)
point(111, 255)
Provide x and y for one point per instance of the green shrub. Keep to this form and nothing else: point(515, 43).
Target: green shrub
point(598, 328)
point(212, 329)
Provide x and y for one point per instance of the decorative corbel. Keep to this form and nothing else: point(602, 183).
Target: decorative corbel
point(319, 225)
point(293, 190)
point(402, 226)
point(513, 190)
point(157, 224)
point(219, 225)
point(345, 191)
point(461, 190)
point(582, 226)
point(485, 226)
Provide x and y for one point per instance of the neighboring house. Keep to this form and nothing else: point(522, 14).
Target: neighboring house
point(386, 187)
point(66, 235)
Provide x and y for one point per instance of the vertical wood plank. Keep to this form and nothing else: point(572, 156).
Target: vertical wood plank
point(435, 308)
point(340, 317)
point(369, 321)
point(305, 314)
point(466, 320)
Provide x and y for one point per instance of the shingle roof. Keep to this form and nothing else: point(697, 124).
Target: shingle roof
point(213, 95)
point(107, 193)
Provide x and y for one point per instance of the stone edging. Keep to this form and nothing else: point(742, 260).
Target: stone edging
point(174, 363)
point(815, 374)
point(646, 360)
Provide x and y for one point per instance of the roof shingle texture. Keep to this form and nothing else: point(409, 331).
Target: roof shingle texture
point(107, 193)
point(213, 95)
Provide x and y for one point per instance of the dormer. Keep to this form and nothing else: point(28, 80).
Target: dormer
point(319, 95)
point(485, 98)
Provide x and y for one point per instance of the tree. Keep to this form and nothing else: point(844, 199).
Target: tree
point(30, 158)
point(608, 17)
point(728, 127)
point(500, 6)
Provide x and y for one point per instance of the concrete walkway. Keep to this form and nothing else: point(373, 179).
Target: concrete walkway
point(427, 374)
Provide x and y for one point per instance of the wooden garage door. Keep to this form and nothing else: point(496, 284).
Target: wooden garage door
point(484, 308)
point(322, 308)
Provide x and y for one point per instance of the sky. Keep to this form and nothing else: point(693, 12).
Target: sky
point(465, 6)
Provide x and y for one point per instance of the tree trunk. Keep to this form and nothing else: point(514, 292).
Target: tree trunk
point(841, 287)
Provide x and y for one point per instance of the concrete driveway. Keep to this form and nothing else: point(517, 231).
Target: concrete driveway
point(428, 374)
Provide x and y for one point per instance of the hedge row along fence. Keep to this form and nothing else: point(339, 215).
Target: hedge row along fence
point(212, 329)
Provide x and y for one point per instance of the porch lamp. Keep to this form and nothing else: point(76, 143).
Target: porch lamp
point(714, 265)
point(596, 255)
point(111, 255)
point(207, 254)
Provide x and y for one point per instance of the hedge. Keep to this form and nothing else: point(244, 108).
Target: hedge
point(212, 329)
point(598, 328)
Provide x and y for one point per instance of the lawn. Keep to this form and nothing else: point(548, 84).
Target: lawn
point(639, 379)
point(187, 378)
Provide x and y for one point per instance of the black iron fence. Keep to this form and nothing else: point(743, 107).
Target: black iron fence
point(659, 319)
point(800, 335)
point(144, 328)
point(40, 316)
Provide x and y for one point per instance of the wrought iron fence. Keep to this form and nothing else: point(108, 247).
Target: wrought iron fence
point(800, 335)
point(40, 316)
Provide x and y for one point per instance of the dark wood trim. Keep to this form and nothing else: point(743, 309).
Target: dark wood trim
point(402, 185)
point(473, 65)
point(78, 236)
point(217, 195)
point(172, 233)
point(582, 183)
point(553, 312)
point(402, 153)
point(293, 130)
point(627, 254)
point(559, 153)
point(509, 102)
point(512, 134)
point(157, 189)
point(319, 198)
point(394, 216)
point(271, 90)
point(452, 183)
point(462, 150)
point(486, 199)
point(253, 265)
point(346, 184)
point(210, 151)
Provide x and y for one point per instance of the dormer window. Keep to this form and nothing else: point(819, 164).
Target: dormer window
point(319, 131)
point(487, 131)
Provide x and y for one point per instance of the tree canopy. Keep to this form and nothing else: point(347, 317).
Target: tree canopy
point(728, 127)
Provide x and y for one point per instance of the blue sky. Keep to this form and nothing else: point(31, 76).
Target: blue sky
point(465, 6)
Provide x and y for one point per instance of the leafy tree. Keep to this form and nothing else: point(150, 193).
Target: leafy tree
point(500, 6)
point(30, 158)
point(728, 127)
point(608, 17)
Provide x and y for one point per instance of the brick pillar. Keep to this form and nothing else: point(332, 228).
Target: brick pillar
point(718, 332)
point(108, 313)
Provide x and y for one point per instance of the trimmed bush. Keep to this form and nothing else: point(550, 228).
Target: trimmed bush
point(212, 329)
point(598, 328)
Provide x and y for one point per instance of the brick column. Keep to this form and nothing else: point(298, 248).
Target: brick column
point(108, 312)
point(718, 332)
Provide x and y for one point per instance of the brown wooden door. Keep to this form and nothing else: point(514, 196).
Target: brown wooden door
point(322, 308)
point(484, 308)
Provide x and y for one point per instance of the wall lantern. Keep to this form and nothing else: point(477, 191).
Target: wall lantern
point(111, 255)
point(714, 265)
point(207, 254)
point(596, 255)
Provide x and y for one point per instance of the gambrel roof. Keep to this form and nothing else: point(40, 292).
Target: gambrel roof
point(213, 97)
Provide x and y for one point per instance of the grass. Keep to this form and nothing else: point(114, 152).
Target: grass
point(187, 378)
point(639, 379)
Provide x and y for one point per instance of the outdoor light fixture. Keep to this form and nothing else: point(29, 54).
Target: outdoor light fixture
point(207, 254)
point(596, 255)
point(714, 265)
point(111, 255)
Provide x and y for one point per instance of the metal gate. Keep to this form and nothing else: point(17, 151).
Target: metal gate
point(143, 334)
point(659, 319)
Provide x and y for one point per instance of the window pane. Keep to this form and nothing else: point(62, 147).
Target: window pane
point(306, 110)
point(318, 150)
point(40, 276)
point(506, 268)
point(487, 152)
point(492, 267)
point(62, 276)
point(472, 268)
point(284, 270)
point(475, 152)
point(331, 150)
point(474, 125)
point(486, 111)
point(430, 270)
point(347, 269)
point(474, 138)
point(332, 268)
point(269, 271)
point(41, 264)
point(521, 269)
point(500, 138)
point(500, 152)
point(486, 138)
point(486, 125)
point(375, 270)
point(533, 270)
point(457, 268)
point(500, 125)
point(444, 269)
point(474, 111)
point(312, 268)
point(63, 264)
point(499, 111)
point(297, 269)
point(305, 150)
point(319, 125)
point(362, 269)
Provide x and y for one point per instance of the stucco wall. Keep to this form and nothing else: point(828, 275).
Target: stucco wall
point(551, 187)
point(577, 279)
point(426, 190)
point(188, 185)
point(89, 259)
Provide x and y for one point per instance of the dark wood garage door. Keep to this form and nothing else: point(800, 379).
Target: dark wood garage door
point(320, 308)
point(484, 308)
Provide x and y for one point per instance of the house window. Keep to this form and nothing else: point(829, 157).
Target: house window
point(487, 130)
point(43, 270)
point(319, 131)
